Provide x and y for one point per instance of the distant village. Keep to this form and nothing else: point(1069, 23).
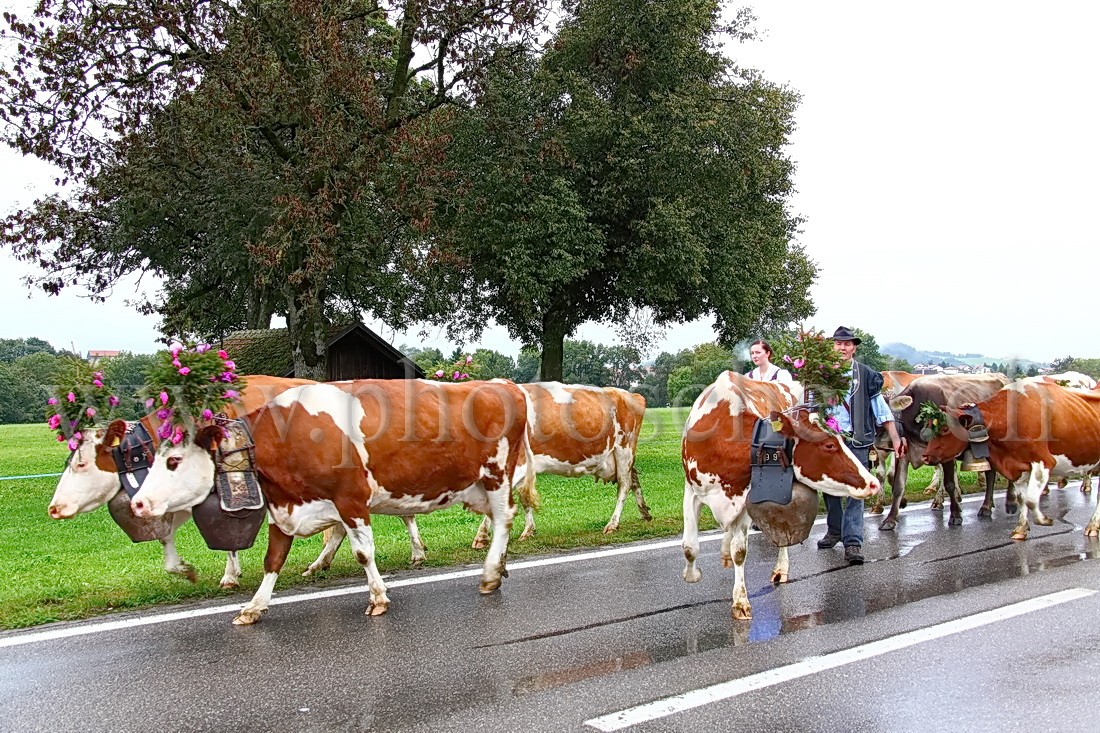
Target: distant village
point(961, 369)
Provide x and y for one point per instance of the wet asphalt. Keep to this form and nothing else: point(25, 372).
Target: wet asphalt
point(561, 644)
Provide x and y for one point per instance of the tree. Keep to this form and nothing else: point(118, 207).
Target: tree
point(527, 365)
point(492, 365)
point(630, 167)
point(703, 365)
point(124, 375)
point(1064, 364)
point(12, 349)
point(22, 398)
point(261, 157)
point(868, 352)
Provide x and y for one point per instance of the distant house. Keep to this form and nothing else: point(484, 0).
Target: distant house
point(982, 369)
point(927, 369)
point(354, 352)
point(95, 356)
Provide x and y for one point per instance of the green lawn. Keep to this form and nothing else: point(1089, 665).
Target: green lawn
point(86, 566)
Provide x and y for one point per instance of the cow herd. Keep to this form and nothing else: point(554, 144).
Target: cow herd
point(329, 455)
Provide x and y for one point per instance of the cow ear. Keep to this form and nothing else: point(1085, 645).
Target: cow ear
point(900, 402)
point(115, 432)
point(209, 438)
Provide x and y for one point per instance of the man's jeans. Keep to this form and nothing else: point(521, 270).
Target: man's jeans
point(844, 516)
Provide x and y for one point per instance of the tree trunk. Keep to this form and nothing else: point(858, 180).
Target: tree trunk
point(553, 349)
point(308, 338)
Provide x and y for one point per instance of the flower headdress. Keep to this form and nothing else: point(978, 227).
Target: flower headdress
point(811, 359)
point(78, 402)
point(932, 421)
point(457, 372)
point(189, 385)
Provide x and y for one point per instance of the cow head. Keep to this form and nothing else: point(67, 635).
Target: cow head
point(906, 407)
point(181, 475)
point(950, 443)
point(90, 478)
point(821, 460)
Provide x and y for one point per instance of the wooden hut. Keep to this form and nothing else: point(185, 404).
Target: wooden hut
point(354, 352)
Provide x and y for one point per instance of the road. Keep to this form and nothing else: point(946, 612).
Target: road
point(944, 628)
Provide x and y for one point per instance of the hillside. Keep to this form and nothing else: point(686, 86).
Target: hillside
point(917, 356)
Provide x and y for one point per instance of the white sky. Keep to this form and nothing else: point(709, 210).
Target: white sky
point(947, 160)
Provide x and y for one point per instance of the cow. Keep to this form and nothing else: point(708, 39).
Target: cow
point(893, 382)
point(1074, 380)
point(951, 391)
point(577, 430)
point(91, 478)
point(1036, 430)
point(329, 455)
point(716, 456)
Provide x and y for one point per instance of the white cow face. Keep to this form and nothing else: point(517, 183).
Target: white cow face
point(90, 478)
point(180, 477)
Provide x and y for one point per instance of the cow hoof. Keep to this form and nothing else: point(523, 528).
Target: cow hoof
point(888, 525)
point(647, 517)
point(741, 613)
point(478, 544)
point(954, 521)
point(692, 574)
point(247, 618)
point(936, 504)
point(377, 609)
point(985, 513)
point(727, 562)
point(876, 510)
point(1012, 508)
point(1019, 535)
point(1044, 521)
point(610, 528)
point(904, 502)
point(1092, 532)
point(488, 586)
point(779, 577)
point(527, 534)
point(1046, 491)
point(229, 584)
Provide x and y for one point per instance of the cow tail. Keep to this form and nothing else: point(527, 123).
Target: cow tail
point(528, 491)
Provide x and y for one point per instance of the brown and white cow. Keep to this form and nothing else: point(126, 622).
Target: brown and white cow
point(716, 456)
point(1036, 430)
point(893, 383)
point(91, 478)
point(940, 389)
point(328, 455)
point(577, 430)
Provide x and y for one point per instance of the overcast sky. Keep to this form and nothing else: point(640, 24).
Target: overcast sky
point(946, 158)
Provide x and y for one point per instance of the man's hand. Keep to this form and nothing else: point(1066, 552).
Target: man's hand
point(895, 439)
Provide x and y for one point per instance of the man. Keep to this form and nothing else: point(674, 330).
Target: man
point(859, 414)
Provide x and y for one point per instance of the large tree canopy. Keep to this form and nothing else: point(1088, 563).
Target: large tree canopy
point(263, 157)
point(629, 167)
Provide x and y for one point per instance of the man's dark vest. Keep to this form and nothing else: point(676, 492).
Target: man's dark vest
point(868, 383)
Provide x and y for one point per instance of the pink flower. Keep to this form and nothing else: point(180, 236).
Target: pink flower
point(78, 435)
point(207, 415)
point(833, 424)
point(185, 371)
point(72, 423)
point(469, 359)
point(176, 363)
point(61, 439)
point(437, 375)
point(164, 431)
point(51, 401)
point(90, 412)
point(231, 394)
point(177, 436)
point(164, 413)
point(71, 397)
point(73, 442)
point(98, 375)
point(465, 376)
point(230, 366)
point(799, 363)
point(54, 422)
point(455, 376)
point(164, 398)
point(97, 383)
point(112, 401)
point(149, 402)
point(786, 357)
point(222, 354)
point(175, 347)
point(228, 376)
point(202, 348)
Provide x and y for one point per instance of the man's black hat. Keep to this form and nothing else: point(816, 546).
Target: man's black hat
point(845, 334)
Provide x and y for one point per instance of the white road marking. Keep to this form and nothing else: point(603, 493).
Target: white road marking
point(813, 665)
point(83, 629)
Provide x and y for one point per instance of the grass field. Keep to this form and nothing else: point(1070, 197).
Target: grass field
point(82, 567)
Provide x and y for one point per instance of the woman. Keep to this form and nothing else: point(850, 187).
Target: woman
point(761, 352)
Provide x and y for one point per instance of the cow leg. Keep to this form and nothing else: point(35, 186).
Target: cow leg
point(501, 510)
point(528, 499)
point(782, 566)
point(986, 510)
point(1037, 481)
point(951, 485)
point(361, 538)
point(1086, 483)
point(334, 537)
point(935, 488)
point(481, 539)
point(173, 563)
point(636, 487)
point(692, 507)
point(880, 472)
point(623, 479)
point(278, 546)
point(739, 543)
point(418, 549)
point(1019, 488)
point(1092, 529)
point(231, 578)
point(901, 475)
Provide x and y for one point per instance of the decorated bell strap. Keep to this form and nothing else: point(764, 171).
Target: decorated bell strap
point(133, 457)
point(772, 472)
point(235, 479)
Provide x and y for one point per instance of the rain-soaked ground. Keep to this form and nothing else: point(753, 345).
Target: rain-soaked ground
point(577, 636)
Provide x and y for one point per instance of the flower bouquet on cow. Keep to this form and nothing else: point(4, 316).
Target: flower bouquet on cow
point(79, 402)
point(188, 386)
point(812, 360)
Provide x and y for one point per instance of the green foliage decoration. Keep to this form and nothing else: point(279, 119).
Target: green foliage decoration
point(188, 386)
point(811, 359)
point(932, 420)
point(79, 401)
